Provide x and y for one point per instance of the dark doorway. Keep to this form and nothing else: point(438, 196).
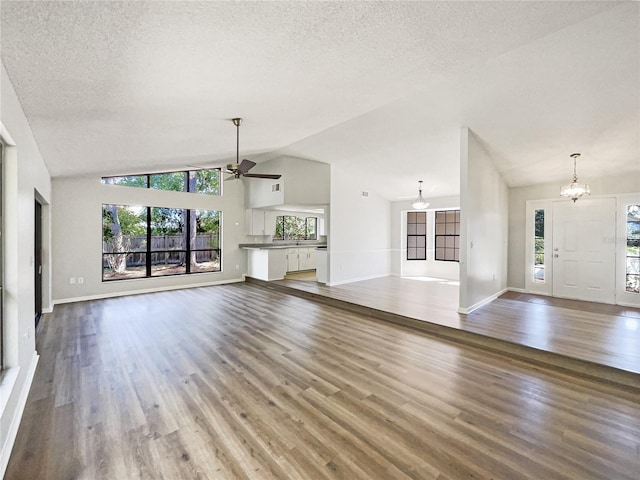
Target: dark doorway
point(37, 255)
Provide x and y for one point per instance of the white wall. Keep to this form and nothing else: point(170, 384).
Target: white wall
point(303, 182)
point(77, 239)
point(484, 211)
point(400, 266)
point(517, 214)
point(359, 238)
point(25, 176)
point(260, 192)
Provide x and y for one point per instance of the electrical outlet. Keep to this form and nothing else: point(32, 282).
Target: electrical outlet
point(80, 280)
point(72, 280)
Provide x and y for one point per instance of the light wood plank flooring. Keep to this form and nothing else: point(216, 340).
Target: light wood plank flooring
point(602, 334)
point(241, 382)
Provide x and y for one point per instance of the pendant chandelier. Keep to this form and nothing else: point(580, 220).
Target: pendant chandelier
point(420, 203)
point(575, 190)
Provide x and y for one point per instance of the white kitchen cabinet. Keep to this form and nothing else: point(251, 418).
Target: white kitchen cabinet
point(293, 261)
point(312, 258)
point(300, 258)
point(307, 258)
point(266, 263)
point(321, 266)
point(255, 222)
point(270, 222)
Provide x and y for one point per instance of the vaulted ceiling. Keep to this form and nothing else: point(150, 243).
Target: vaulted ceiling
point(377, 89)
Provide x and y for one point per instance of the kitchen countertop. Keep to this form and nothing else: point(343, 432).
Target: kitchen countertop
point(274, 246)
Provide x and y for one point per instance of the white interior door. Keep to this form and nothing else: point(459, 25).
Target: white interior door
point(584, 250)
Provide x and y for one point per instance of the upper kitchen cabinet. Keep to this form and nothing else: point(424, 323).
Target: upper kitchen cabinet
point(303, 182)
point(256, 222)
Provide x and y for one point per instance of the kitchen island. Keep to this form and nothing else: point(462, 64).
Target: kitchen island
point(272, 261)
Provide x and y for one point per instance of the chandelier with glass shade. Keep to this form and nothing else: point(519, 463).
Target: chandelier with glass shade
point(419, 203)
point(575, 190)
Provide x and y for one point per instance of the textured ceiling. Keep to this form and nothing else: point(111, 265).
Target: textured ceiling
point(377, 88)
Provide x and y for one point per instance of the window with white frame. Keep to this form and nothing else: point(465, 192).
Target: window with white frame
point(538, 245)
point(633, 249)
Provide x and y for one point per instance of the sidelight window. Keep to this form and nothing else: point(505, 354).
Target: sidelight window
point(538, 245)
point(633, 249)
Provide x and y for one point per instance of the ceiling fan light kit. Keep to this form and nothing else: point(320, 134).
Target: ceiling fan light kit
point(419, 203)
point(240, 169)
point(575, 190)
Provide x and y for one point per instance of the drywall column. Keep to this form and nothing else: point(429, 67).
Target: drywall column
point(359, 240)
point(484, 211)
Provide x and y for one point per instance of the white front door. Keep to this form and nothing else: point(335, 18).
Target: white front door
point(584, 250)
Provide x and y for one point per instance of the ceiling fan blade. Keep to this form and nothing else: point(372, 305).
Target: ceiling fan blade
point(232, 177)
point(262, 175)
point(246, 165)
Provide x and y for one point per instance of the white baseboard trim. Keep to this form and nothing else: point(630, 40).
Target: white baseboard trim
point(482, 303)
point(517, 290)
point(359, 279)
point(8, 379)
point(47, 310)
point(630, 305)
point(145, 290)
point(531, 292)
point(12, 433)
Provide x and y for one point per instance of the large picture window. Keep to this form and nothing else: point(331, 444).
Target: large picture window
point(416, 235)
point(140, 242)
point(296, 228)
point(447, 235)
point(206, 181)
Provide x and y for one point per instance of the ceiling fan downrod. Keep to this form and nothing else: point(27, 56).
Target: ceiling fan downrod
point(237, 122)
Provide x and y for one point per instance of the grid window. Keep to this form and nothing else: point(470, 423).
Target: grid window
point(416, 235)
point(447, 235)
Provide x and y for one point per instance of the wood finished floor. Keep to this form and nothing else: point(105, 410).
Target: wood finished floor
point(599, 333)
point(240, 382)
